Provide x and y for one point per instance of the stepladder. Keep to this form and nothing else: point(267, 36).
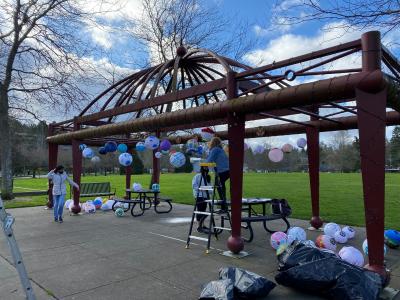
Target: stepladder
point(7, 222)
point(204, 209)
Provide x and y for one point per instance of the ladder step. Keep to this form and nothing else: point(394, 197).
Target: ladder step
point(206, 188)
point(193, 237)
point(196, 212)
point(222, 228)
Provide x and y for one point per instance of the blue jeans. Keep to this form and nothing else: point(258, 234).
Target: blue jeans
point(58, 205)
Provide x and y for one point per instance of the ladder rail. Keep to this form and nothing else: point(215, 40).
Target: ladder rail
point(7, 221)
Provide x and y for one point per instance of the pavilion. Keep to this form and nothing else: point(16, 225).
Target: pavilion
point(200, 88)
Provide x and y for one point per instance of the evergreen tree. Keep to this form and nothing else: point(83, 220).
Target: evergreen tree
point(395, 147)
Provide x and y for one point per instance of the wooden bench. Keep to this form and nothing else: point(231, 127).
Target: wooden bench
point(96, 189)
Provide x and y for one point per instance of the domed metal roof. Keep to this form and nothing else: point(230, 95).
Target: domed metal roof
point(187, 69)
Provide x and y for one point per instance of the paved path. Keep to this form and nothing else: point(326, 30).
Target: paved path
point(101, 256)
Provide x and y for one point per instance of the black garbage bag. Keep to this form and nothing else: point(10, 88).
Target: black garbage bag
point(247, 285)
point(218, 290)
point(325, 274)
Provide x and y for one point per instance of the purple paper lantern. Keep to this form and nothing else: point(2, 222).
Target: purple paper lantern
point(165, 145)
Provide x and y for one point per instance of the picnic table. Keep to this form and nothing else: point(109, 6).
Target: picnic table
point(143, 201)
point(251, 215)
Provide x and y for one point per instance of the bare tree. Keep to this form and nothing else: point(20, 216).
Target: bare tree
point(41, 66)
point(166, 24)
point(382, 14)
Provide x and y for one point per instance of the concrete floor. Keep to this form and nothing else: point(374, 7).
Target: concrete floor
point(101, 256)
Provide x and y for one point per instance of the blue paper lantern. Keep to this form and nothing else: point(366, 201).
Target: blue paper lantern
point(125, 159)
point(177, 159)
point(87, 153)
point(152, 142)
point(122, 148)
point(392, 238)
point(111, 146)
point(140, 146)
point(82, 147)
point(102, 150)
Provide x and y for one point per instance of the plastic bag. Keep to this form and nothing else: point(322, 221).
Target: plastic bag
point(247, 285)
point(218, 290)
point(314, 271)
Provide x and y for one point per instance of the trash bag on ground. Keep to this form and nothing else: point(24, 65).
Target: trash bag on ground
point(218, 290)
point(247, 285)
point(325, 274)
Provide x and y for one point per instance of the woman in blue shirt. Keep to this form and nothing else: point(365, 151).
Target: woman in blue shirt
point(218, 156)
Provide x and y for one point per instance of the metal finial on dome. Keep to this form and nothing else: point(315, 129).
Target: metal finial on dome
point(181, 50)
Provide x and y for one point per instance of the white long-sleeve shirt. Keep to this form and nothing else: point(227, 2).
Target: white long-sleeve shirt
point(196, 184)
point(59, 187)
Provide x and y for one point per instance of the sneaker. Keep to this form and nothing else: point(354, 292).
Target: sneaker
point(60, 220)
point(200, 229)
point(55, 220)
point(221, 211)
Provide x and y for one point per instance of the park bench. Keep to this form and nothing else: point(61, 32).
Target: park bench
point(96, 189)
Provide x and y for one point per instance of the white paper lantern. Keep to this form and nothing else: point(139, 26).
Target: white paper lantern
point(352, 256)
point(349, 231)
point(287, 148)
point(296, 234)
point(137, 187)
point(340, 237)
point(275, 155)
point(87, 153)
point(331, 228)
point(152, 142)
point(125, 159)
point(158, 154)
point(95, 159)
point(365, 247)
point(177, 159)
point(301, 142)
point(68, 203)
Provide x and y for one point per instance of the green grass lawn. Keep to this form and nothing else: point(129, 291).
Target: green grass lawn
point(340, 194)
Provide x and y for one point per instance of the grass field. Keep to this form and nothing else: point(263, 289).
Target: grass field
point(340, 194)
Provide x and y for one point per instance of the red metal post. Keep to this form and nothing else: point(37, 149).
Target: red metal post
point(128, 172)
point(313, 171)
point(236, 132)
point(76, 171)
point(53, 155)
point(155, 177)
point(371, 111)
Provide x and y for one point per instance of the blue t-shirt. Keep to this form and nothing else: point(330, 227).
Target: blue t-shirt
point(218, 156)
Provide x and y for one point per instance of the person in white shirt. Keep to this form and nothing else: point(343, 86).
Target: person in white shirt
point(201, 196)
point(58, 176)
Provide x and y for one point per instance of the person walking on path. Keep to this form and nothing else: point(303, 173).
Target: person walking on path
point(58, 176)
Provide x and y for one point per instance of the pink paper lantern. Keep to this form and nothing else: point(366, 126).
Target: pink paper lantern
point(275, 155)
point(287, 148)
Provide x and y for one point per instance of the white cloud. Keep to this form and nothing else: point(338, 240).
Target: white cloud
point(260, 31)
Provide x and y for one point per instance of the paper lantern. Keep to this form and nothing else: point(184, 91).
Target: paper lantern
point(275, 155)
point(158, 155)
point(392, 238)
point(207, 134)
point(95, 159)
point(68, 203)
point(82, 147)
point(191, 146)
point(125, 159)
point(89, 207)
point(177, 159)
point(119, 212)
point(340, 237)
point(349, 231)
point(331, 228)
point(122, 148)
point(326, 242)
point(87, 153)
point(301, 142)
point(102, 150)
point(287, 148)
point(165, 145)
point(105, 207)
point(278, 238)
point(111, 146)
point(309, 243)
point(155, 187)
point(365, 247)
point(296, 234)
point(152, 142)
point(140, 146)
point(97, 203)
point(165, 152)
point(71, 204)
point(258, 149)
point(352, 255)
point(137, 187)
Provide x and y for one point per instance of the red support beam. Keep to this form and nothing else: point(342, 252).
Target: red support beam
point(76, 171)
point(128, 173)
point(53, 155)
point(313, 171)
point(371, 110)
point(155, 176)
point(236, 131)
